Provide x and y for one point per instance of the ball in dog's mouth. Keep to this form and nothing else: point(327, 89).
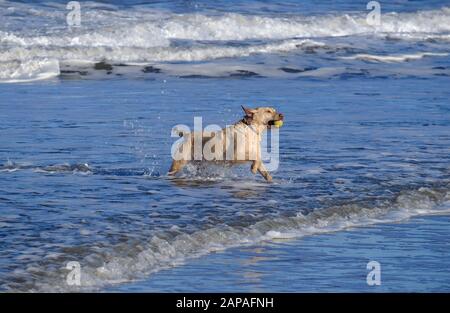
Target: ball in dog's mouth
point(277, 123)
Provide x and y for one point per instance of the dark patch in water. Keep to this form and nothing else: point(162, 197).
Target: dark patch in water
point(151, 69)
point(366, 94)
point(393, 39)
point(194, 76)
point(297, 70)
point(66, 168)
point(244, 73)
point(380, 77)
point(82, 73)
point(237, 74)
point(309, 50)
point(103, 66)
point(347, 50)
point(353, 74)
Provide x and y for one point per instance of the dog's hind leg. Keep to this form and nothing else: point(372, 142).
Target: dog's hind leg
point(177, 165)
point(255, 166)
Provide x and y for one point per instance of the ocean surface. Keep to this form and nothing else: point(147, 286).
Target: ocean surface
point(86, 114)
point(330, 262)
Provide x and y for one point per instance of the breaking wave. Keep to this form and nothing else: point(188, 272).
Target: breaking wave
point(133, 260)
point(28, 70)
point(153, 32)
point(133, 54)
point(134, 36)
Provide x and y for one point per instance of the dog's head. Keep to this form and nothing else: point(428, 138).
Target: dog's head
point(264, 116)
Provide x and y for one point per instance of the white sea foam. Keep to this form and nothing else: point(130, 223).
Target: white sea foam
point(234, 26)
point(394, 58)
point(29, 70)
point(144, 27)
point(129, 54)
point(137, 35)
point(151, 32)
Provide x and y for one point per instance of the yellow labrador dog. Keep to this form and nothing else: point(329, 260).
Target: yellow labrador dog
point(235, 144)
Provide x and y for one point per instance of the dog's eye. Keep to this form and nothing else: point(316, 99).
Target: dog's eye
point(268, 111)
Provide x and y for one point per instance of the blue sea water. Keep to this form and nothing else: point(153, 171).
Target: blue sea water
point(85, 136)
point(323, 263)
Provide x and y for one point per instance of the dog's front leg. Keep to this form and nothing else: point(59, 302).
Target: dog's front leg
point(263, 171)
point(177, 165)
point(258, 166)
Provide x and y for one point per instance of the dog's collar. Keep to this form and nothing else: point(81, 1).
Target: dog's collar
point(245, 122)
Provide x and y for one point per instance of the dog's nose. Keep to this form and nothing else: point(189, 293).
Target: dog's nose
point(280, 115)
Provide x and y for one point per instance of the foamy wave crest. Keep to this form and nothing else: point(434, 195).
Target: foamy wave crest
point(240, 27)
point(393, 58)
point(158, 54)
point(141, 37)
point(157, 32)
point(126, 263)
point(29, 70)
point(153, 32)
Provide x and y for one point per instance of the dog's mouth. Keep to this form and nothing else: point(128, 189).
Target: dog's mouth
point(280, 117)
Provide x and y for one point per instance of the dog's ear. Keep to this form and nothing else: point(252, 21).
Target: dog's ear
point(248, 112)
point(248, 118)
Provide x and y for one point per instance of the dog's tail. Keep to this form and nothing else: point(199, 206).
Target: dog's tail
point(178, 131)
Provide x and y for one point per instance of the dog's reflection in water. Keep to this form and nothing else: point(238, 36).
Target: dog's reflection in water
point(238, 188)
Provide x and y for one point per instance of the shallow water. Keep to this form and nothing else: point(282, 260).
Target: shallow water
point(84, 154)
point(417, 261)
